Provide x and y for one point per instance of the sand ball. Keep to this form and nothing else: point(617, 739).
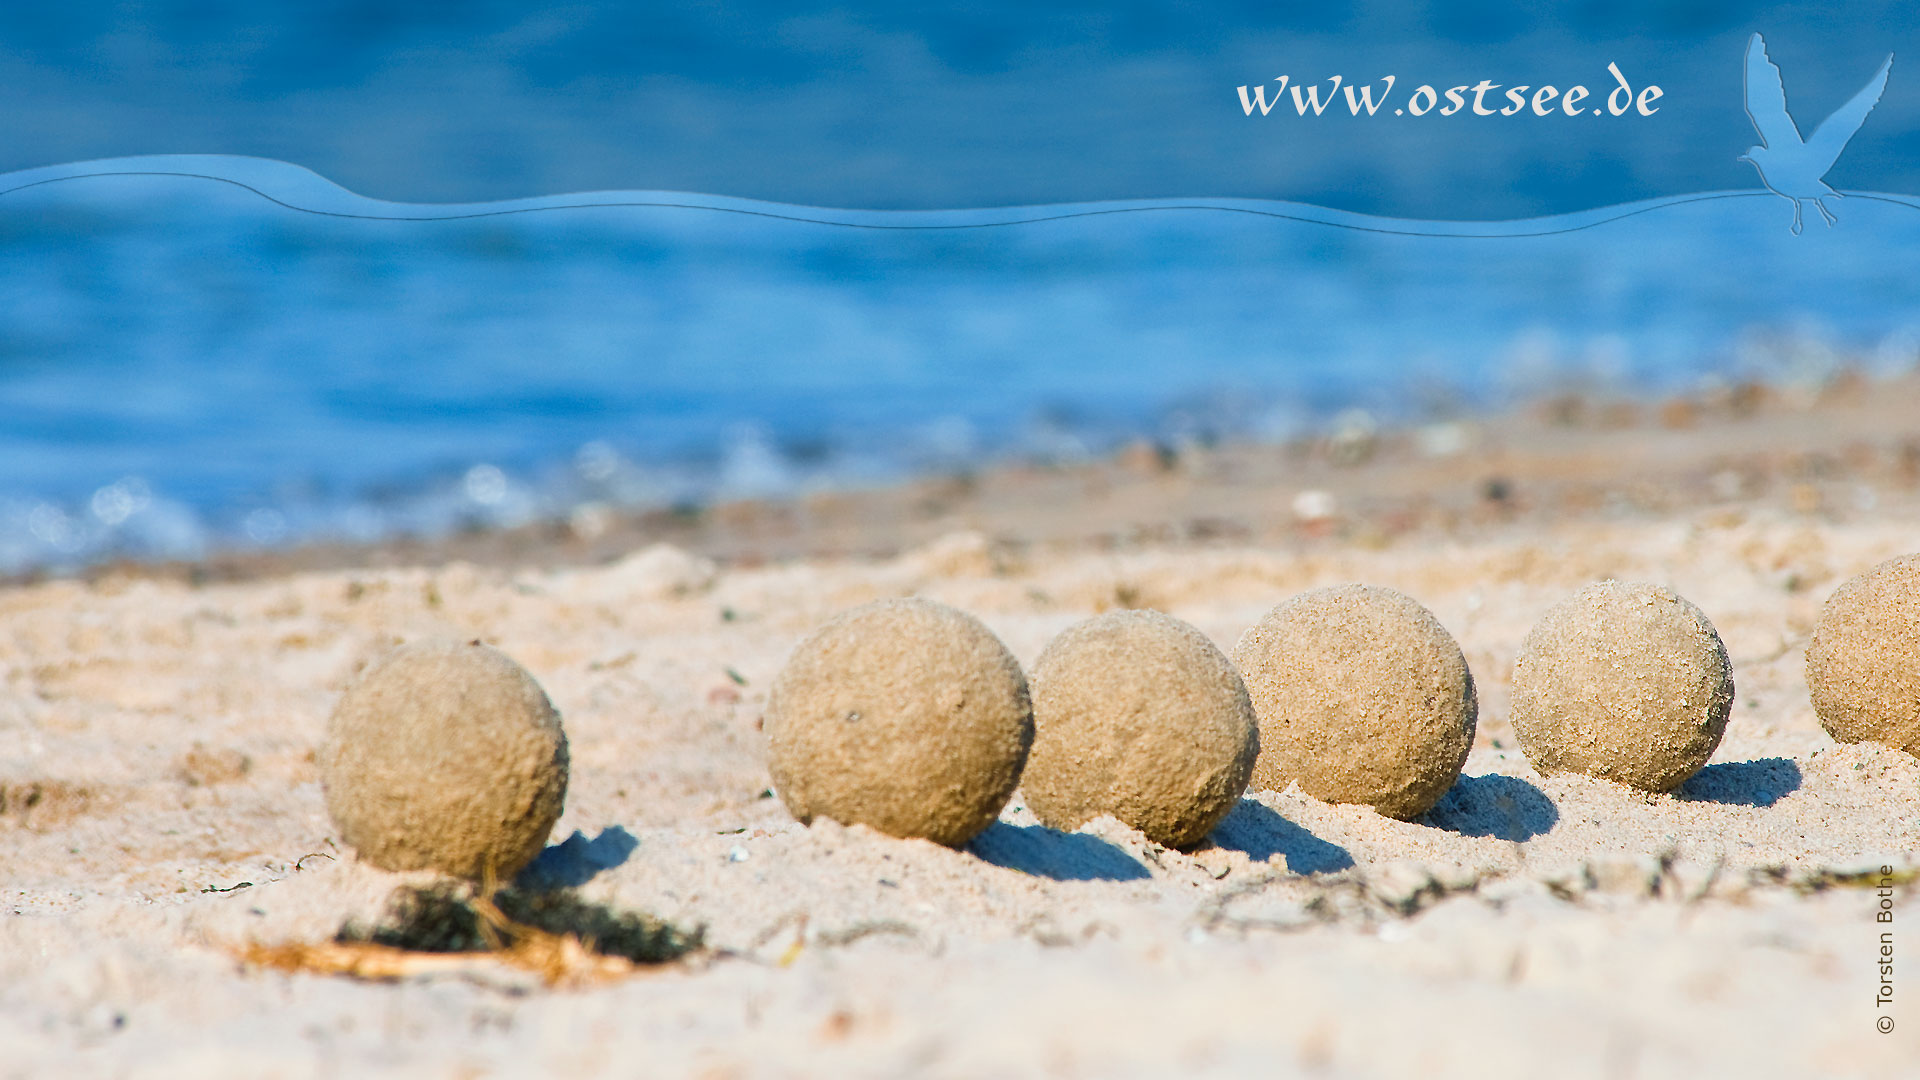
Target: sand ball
point(1363, 697)
point(447, 756)
point(1138, 715)
point(1863, 664)
point(1625, 682)
point(904, 715)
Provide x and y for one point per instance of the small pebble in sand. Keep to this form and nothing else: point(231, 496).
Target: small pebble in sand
point(904, 715)
point(446, 756)
point(1622, 681)
point(1138, 715)
point(1863, 664)
point(1363, 697)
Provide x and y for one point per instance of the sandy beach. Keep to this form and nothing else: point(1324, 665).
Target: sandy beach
point(160, 809)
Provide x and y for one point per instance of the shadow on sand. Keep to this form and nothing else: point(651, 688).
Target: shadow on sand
point(574, 861)
point(1050, 853)
point(1506, 807)
point(1255, 828)
point(1760, 782)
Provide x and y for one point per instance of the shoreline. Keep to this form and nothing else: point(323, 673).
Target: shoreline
point(1842, 451)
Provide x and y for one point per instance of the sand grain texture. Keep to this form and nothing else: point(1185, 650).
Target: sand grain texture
point(1139, 716)
point(445, 755)
point(1863, 664)
point(1623, 681)
point(906, 715)
point(1363, 697)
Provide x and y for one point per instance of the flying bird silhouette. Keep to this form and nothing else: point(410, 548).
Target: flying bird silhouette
point(1792, 167)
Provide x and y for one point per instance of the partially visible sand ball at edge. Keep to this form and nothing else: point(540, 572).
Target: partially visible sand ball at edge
point(1138, 715)
point(1863, 663)
point(907, 716)
point(1627, 682)
point(1363, 697)
point(445, 755)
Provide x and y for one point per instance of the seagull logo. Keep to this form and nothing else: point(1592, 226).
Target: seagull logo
point(1790, 166)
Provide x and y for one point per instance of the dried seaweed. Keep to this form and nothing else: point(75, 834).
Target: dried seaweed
point(447, 918)
point(454, 928)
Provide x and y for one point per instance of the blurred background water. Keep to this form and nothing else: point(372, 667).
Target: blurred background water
point(186, 365)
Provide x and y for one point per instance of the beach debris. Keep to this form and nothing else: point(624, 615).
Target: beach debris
point(1279, 901)
point(863, 929)
point(1627, 682)
point(1445, 439)
point(1354, 438)
point(590, 520)
point(457, 929)
point(1634, 877)
point(204, 766)
point(1403, 887)
point(908, 716)
point(664, 572)
point(1313, 506)
point(966, 554)
point(448, 756)
point(1146, 457)
point(1138, 715)
point(39, 803)
point(1362, 697)
point(1863, 663)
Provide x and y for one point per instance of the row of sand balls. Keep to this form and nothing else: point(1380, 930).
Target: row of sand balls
point(911, 717)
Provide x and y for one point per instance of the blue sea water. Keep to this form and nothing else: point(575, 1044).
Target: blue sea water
point(206, 352)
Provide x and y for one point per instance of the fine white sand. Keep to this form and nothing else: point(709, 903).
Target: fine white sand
point(159, 810)
point(158, 743)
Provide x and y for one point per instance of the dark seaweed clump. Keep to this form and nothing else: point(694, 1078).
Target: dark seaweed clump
point(451, 918)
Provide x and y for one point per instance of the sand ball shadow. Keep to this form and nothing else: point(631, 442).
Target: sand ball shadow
point(1760, 782)
point(1505, 807)
point(1050, 853)
point(1260, 832)
point(577, 860)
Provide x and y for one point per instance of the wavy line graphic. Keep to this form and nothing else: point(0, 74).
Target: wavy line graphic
point(301, 190)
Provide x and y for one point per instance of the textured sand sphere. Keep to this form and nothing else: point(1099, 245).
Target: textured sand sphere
point(904, 715)
point(1138, 715)
point(1625, 682)
point(445, 756)
point(1863, 664)
point(1363, 697)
